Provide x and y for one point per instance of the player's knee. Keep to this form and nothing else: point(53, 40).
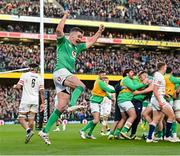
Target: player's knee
point(21, 117)
point(61, 108)
point(144, 114)
point(178, 120)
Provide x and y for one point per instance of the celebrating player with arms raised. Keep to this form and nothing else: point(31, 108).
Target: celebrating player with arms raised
point(67, 52)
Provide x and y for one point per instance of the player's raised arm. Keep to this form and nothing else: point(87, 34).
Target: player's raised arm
point(60, 27)
point(94, 38)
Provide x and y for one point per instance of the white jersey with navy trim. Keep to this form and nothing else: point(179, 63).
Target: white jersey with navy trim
point(160, 82)
point(32, 83)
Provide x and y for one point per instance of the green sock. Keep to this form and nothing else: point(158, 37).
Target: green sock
point(91, 129)
point(75, 95)
point(174, 127)
point(118, 131)
point(112, 132)
point(125, 129)
point(160, 134)
point(53, 118)
point(89, 125)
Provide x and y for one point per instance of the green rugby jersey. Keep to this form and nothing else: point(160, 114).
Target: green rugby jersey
point(67, 53)
point(129, 86)
point(176, 87)
point(139, 97)
point(105, 89)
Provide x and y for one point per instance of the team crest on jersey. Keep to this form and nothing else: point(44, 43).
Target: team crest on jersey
point(73, 53)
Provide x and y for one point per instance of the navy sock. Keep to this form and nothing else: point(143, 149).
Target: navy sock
point(151, 130)
point(168, 128)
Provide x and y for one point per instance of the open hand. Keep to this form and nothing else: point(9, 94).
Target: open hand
point(67, 13)
point(101, 28)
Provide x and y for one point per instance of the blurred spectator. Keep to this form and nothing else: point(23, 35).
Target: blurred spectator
point(114, 61)
point(109, 33)
point(155, 12)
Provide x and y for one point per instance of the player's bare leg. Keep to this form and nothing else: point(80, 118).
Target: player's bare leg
point(157, 115)
point(91, 125)
point(105, 126)
point(131, 117)
point(63, 100)
point(95, 121)
point(74, 83)
point(168, 111)
point(120, 125)
point(147, 114)
point(24, 124)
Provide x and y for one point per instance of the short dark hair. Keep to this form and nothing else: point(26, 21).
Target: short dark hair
point(168, 70)
point(101, 71)
point(142, 72)
point(76, 29)
point(126, 71)
point(160, 65)
point(33, 65)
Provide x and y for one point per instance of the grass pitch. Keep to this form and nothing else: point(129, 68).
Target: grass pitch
point(69, 143)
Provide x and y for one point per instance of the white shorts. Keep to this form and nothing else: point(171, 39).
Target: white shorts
point(155, 103)
point(24, 108)
point(105, 109)
point(177, 105)
point(59, 76)
point(95, 107)
point(125, 106)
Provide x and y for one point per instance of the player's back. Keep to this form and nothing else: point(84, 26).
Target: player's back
point(32, 83)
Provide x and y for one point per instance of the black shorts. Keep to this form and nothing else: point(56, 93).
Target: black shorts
point(117, 114)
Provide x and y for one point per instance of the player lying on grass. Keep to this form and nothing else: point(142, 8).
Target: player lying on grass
point(67, 52)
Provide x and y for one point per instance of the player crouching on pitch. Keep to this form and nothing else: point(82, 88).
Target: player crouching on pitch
point(99, 91)
point(32, 85)
point(67, 52)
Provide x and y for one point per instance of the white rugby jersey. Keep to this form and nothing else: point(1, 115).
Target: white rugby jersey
point(159, 81)
point(106, 100)
point(32, 83)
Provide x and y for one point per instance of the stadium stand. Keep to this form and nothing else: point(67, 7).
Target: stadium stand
point(109, 33)
point(162, 13)
point(114, 61)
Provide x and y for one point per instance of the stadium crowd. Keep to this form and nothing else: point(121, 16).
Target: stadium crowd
point(33, 28)
point(133, 11)
point(10, 100)
point(163, 13)
point(114, 61)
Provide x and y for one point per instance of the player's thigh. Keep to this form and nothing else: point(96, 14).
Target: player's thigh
point(177, 110)
point(95, 107)
point(167, 110)
point(123, 116)
point(23, 111)
point(157, 116)
point(96, 116)
point(129, 108)
point(147, 111)
point(72, 81)
point(63, 101)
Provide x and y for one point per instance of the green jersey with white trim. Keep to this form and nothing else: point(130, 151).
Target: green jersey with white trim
point(67, 53)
